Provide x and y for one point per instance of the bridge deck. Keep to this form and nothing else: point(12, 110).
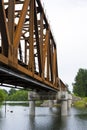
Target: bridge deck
point(19, 78)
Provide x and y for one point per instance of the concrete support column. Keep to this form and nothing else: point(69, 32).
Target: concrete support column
point(64, 108)
point(58, 96)
point(69, 103)
point(32, 108)
point(64, 98)
point(51, 103)
point(31, 98)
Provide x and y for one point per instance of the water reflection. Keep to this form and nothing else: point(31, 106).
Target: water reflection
point(0, 113)
point(32, 123)
point(48, 120)
point(83, 117)
point(45, 119)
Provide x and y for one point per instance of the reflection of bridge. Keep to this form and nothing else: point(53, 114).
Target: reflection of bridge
point(28, 55)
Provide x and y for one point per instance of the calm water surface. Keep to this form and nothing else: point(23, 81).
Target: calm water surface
point(45, 119)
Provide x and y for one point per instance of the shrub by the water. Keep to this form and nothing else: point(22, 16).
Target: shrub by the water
point(82, 103)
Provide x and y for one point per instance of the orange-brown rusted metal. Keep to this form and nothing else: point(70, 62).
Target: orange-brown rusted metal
point(26, 41)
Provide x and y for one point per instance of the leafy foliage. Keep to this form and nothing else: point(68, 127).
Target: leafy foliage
point(82, 103)
point(80, 85)
point(13, 95)
point(12, 91)
point(17, 95)
point(2, 97)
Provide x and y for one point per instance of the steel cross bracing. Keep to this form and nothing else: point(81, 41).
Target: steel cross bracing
point(27, 46)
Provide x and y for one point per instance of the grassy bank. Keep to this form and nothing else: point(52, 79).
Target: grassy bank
point(81, 103)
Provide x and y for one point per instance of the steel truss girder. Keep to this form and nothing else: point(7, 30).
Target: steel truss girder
point(26, 40)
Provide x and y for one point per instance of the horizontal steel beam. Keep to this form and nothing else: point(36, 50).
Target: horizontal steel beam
point(24, 79)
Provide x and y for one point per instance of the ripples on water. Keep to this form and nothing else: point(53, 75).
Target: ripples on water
point(17, 118)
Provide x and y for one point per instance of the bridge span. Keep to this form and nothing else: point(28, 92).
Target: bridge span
point(28, 53)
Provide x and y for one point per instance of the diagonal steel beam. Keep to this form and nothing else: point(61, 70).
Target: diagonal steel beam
point(20, 23)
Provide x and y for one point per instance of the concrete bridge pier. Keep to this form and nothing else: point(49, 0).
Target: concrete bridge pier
point(51, 103)
point(69, 102)
point(31, 98)
point(64, 107)
point(32, 108)
point(64, 97)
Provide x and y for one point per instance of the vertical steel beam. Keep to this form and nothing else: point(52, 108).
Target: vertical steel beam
point(45, 45)
point(54, 67)
point(4, 29)
point(10, 15)
point(31, 39)
point(41, 41)
point(48, 61)
point(11, 19)
point(51, 59)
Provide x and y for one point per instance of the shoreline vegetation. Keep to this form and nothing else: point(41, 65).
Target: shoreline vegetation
point(80, 103)
point(44, 103)
point(23, 103)
point(22, 95)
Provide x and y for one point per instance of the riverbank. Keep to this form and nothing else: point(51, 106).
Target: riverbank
point(22, 103)
point(82, 103)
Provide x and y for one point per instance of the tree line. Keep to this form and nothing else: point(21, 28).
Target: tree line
point(13, 95)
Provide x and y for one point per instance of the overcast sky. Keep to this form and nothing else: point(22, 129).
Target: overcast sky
point(68, 20)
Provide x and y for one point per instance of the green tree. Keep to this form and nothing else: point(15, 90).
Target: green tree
point(1, 95)
point(5, 92)
point(80, 85)
point(12, 91)
point(18, 95)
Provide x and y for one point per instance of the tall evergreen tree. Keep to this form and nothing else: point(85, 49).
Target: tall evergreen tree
point(80, 85)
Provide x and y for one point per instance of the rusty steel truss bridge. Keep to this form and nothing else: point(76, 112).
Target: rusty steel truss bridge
point(28, 53)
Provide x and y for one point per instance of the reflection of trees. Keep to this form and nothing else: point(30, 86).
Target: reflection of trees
point(0, 119)
point(0, 113)
point(82, 116)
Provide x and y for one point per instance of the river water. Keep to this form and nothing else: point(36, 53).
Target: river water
point(17, 118)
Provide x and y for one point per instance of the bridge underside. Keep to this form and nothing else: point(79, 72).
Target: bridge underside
point(16, 79)
point(28, 54)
